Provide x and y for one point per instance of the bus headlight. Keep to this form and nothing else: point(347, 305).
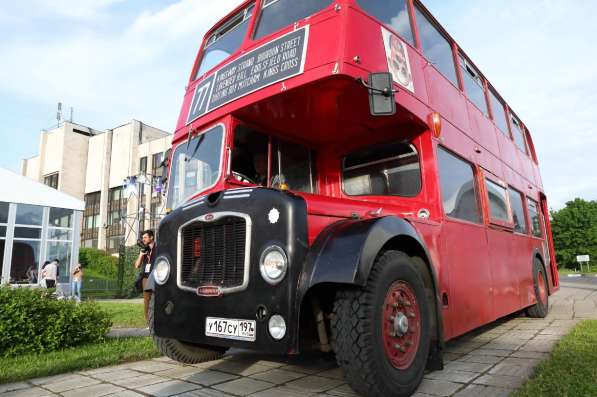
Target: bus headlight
point(161, 270)
point(273, 264)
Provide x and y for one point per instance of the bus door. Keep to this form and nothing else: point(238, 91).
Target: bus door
point(508, 257)
point(463, 246)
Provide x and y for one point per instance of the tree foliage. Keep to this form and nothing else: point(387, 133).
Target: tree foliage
point(574, 229)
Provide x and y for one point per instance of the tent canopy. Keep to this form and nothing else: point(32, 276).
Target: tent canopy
point(16, 188)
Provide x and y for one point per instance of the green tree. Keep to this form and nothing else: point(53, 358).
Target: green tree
point(574, 229)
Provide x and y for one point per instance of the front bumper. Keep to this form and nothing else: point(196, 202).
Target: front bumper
point(181, 313)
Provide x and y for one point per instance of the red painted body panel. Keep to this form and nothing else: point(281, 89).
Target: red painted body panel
point(484, 271)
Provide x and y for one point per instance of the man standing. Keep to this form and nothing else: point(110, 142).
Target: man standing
point(146, 260)
point(49, 273)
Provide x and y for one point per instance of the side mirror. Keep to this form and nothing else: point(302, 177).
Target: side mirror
point(382, 101)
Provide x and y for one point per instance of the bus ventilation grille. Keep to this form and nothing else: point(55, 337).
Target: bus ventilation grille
point(213, 253)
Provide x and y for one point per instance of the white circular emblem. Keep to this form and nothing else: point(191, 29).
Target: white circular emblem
point(273, 215)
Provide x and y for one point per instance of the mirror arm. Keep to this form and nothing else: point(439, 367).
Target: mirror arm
point(385, 92)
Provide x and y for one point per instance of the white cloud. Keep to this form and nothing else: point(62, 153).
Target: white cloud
point(138, 70)
point(81, 9)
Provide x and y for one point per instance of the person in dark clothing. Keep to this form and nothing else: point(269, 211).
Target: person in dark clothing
point(146, 260)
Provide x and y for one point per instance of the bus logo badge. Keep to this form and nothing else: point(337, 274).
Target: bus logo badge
point(209, 217)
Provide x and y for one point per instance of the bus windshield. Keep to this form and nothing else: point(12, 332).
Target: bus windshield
point(225, 41)
point(276, 14)
point(195, 166)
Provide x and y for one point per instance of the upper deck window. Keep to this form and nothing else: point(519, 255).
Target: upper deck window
point(225, 40)
point(436, 47)
point(386, 170)
point(393, 14)
point(276, 14)
point(499, 112)
point(517, 134)
point(473, 85)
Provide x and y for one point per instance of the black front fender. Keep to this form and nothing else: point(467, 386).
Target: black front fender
point(345, 251)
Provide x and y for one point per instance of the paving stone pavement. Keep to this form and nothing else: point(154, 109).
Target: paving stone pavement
point(489, 362)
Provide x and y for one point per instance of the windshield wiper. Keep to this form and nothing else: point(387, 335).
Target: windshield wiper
point(199, 142)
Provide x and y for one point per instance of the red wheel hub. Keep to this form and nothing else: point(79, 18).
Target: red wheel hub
point(401, 325)
point(542, 290)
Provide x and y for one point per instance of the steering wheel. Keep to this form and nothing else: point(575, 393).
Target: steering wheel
point(243, 178)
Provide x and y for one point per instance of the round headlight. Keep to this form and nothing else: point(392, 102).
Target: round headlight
point(277, 327)
point(273, 264)
point(161, 270)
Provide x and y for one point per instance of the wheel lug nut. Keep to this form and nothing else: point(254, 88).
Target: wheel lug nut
point(395, 305)
point(391, 318)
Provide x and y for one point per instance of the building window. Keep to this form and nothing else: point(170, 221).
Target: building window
point(473, 85)
point(60, 240)
point(384, 170)
point(517, 134)
point(498, 202)
point(91, 219)
point(436, 47)
point(51, 180)
point(534, 217)
point(392, 13)
point(499, 112)
point(116, 217)
point(520, 223)
point(458, 189)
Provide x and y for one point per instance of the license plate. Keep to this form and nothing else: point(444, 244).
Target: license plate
point(230, 329)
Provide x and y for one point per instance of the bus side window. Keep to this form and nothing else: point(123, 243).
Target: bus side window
point(498, 202)
point(383, 170)
point(520, 223)
point(393, 14)
point(458, 189)
point(436, 47)
point(534, 217)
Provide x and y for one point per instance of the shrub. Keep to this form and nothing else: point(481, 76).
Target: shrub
point(32, 320)
point(99, 262)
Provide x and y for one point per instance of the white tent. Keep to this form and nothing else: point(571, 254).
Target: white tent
point(19, 189)
point(37, 223)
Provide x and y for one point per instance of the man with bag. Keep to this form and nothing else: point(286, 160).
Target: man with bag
point(144, 263)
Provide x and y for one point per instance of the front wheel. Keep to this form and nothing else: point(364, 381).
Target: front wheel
point(382, 332)
point(180, 351)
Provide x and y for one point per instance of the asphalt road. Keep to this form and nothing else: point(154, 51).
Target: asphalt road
point(578, 280)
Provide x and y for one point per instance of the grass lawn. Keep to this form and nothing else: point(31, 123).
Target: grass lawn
point(591, 272)
point(110, 352)
point(125, 315)
point(571, 369)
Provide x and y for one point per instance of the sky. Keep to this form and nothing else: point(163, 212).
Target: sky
point(117, 60)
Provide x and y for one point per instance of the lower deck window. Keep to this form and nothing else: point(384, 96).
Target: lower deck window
point(385, 170)
point(291, 164)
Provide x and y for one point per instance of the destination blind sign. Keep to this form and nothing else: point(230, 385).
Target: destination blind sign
point(271, 63)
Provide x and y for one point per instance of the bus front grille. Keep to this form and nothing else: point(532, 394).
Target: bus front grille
point(213, 253)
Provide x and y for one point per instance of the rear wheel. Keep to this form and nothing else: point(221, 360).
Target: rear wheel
point(541, 308)
point(181, 351)
point(381, 333)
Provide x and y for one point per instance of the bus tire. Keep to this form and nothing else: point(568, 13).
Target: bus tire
point(180, 351)
point(541, 308)
point(381, 333)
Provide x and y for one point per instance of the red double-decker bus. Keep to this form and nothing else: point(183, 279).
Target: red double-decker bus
point(343, 176)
